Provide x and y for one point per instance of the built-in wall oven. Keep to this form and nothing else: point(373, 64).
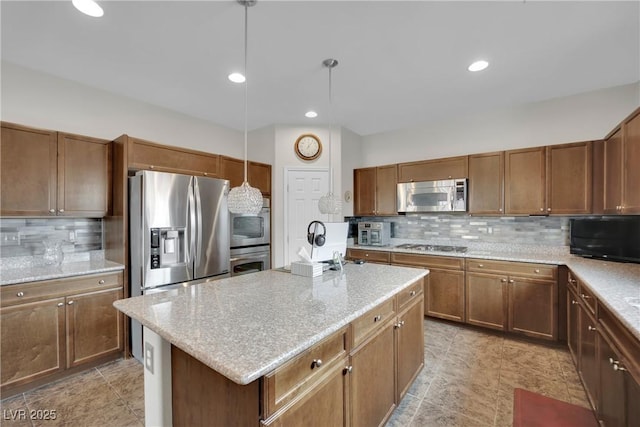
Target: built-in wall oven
point(250, 241)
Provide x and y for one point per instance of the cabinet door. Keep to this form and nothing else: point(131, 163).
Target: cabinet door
point(28, 170)
point(410, 351)
point(149, 155)
point(486, 300)
point(573, 338)
point(613, 173)
point(525, 181)
point(533, 307)
point(260, 177)
point(233, 170)
point(486, 183)
point(433, 170)
point(631, 171)
point(364, 188)
point(94, 326)
point(372, 380)
point(444, 294)
point(32, 341)
point(386, 190)
point(611, 400)
point(324, 404)
point(588, 360)
point(632, 395)
point(569, 178)
point(84, 176)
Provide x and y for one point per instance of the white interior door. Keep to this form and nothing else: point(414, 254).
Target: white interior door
point(304, 187)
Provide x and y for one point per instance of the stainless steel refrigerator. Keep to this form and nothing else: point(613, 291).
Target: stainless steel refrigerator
point(178, 232)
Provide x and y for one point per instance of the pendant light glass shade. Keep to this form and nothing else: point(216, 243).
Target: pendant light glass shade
point(245, 199)
point(329, 203)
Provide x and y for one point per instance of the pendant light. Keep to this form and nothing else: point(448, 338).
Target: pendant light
point(330, 204)
point(245, 199)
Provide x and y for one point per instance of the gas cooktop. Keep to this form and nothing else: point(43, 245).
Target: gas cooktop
point(432, 248)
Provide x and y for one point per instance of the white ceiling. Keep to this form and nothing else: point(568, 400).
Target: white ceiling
point(402, 63)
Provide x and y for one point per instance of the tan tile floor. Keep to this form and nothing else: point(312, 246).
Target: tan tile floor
point(468, 380)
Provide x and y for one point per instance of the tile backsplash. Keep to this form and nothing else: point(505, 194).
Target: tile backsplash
point(463, 229)
point(23, 237)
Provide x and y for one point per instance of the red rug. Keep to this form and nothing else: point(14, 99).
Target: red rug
point(534, 410)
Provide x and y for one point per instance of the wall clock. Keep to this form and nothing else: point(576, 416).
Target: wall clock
point(308, 147)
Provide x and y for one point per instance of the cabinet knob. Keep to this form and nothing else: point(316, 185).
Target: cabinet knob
point(20, 294)
point(480, 265)
point(617, 367)
point(206, 174)
point(52, 211)
point(591, 328)
point(541, 209)
point(316, 363)
point(101, 282)
point(347, 369)
point(151, 166)
point(366, 254)
point(574, 302)
point(377, 318)
point(412, 293)
point(61, 210)
point(70, 302)
point(511, 281)
point(60, 304)
point(500, 210)
point(548, 209)
point(572, 280)
point(611, 361)
point(585, 296)
point(536, 270)
point(503, 280)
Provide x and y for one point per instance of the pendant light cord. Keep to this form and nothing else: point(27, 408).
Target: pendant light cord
point(330, 132)
point(246, 91)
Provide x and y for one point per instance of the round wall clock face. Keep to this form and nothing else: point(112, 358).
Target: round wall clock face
point(308, 147)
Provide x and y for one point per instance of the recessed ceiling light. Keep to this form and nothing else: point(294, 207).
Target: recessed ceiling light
point(88, 7)
point(236, 78)
point(478, 65)
point(311, 114)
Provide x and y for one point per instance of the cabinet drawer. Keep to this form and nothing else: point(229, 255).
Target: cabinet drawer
point(406, 296)
point(538, 271)
point(366, 324)
point(29, 292)
point(587, 298)
point(572, 282)
point(372, 256)
point(299, 374)
point(429, 261)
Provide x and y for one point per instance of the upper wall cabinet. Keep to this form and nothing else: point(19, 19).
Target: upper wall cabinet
point(47, 173)
point(258, 174)
point(375, 191)
point(525, 181)
point(569, 178)
point(486, 183)
point(151, 156)
point(621, 172)
point(433, 170)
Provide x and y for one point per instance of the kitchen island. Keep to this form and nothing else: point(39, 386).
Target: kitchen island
point(272, 347)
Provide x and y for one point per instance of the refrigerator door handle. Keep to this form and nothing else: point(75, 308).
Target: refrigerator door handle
point(198, 219)
point(191, 224)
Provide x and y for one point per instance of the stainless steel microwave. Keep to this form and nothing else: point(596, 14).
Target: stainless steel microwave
point(448, 195)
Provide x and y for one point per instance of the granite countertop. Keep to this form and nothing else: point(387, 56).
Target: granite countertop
point(616, 284)
point(12, 276)
point(246, 326)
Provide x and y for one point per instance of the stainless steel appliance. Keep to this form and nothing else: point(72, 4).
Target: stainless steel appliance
point(250, 259)
point(251, 230)
point(178, 232)
point(374, 233)
point(433, 196)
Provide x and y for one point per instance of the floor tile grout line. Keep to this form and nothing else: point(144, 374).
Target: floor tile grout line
point(122, 399)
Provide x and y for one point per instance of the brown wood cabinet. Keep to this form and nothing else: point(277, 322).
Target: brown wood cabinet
point(443, 286)
point(49, 328)
point(513, 296)
point(378, 257)
point(573, 332)
point(621, 174)
point(486, 183)
point(258, 174)
point(569, 178)
point(375, 191)
point(410, 346)
point(433, 170)
point(148, 155)
point(48, 173)
point(525, 185)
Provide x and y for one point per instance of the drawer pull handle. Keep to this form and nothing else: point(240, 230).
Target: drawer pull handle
point(316, 363)
point(61, 210)
point(574, 302)
point(591, 328)
point(101, 282)
point(412, 293)
point(585, 296)
point(60, 304)
point(70, 302)
point(617, 367)
point(377, 318)
point(52, 211)
point(480, 265)
point(399, 324)
point(612, 362)
point(536, 270)
point(20, 294)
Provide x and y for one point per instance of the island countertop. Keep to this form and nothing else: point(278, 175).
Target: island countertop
point(246, 326)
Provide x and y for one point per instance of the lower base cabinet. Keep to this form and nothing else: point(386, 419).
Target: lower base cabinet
point(445, 294)
point(53, 326)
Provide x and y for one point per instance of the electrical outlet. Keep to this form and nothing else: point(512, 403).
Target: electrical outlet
point(72, 236)
point(148, 357)
point(10, 238)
